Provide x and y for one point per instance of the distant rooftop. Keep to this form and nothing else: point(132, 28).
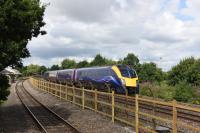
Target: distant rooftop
point(10, 71)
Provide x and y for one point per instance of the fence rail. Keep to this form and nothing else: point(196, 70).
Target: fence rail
point(111, 105)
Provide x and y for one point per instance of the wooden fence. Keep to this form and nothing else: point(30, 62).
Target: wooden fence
point(125, 109)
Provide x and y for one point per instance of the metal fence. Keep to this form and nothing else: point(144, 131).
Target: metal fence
point(126, 109)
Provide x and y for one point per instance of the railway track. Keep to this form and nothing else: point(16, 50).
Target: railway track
point(47, 120)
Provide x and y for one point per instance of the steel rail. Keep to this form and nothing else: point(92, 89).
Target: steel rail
point(29, 111)
point(66, 123)
point(51, 111)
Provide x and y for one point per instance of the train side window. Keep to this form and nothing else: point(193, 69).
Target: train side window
point(80, 74)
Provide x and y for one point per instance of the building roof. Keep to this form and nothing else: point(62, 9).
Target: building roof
point(10, 71)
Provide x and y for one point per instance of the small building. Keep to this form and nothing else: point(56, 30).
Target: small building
point(11, 73)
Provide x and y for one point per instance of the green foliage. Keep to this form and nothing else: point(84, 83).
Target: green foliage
point(33, 69)
point(82, 64)
point(145, 90)
point(183, 92)
point(42, 69)
point(98, 61)
point(148, 72)
point(54, 67)
point(110, 62)
point(68, 63)
point(20, 20)
point(4, 85)
point(187, 70)
point(161, 90)
point(193, 74)
point(130, 60)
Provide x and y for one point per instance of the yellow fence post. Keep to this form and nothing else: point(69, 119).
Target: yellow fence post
point(113, 106)
point(83, 98)
point(136, 114)
point(36, 81)
point(174, 117)
point(60, 91)
point(95, 100)
point(42, 85)
point(38, 84)
point(48, 86)
point(45, 86)
point(73, 90)
point(53, 88)
point(66, 92)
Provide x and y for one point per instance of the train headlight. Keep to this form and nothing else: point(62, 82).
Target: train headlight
point(123, 82)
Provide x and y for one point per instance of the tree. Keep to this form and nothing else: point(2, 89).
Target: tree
point(131, 60)
point(82, 64)
point(193, 74)
point(68, 63)
point(20, 20)
point(33, 69)
point(148, 72)
point(110, 62)
point(184, 71)
point(54, 67)
point(42, 69)
point(98, 61)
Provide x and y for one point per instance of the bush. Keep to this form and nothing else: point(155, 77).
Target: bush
point(187, 70)
point(159, 90)
point(183, 92)
point(149, 72)
point(4, 85)
point(165, 91)
point(145, 90)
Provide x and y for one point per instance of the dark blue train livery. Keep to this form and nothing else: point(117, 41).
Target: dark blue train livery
point(120, 78)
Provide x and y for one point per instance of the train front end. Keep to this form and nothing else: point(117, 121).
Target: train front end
point(128, 78)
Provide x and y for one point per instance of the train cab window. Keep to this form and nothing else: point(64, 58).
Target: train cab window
point(127, 72)
point(112, 73)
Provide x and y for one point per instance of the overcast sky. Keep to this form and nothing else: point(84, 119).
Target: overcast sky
point(161, 31)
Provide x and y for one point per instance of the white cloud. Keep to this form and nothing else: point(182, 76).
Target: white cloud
point(162, 31)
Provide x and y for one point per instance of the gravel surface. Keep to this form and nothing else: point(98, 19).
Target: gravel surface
point(14, 117)
point(86, 121)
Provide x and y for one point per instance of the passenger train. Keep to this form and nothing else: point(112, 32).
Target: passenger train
point(120, 78)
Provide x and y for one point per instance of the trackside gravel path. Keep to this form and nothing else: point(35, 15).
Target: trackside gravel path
point(14, 117)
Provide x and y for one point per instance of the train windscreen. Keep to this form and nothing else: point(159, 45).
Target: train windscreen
point(127, 72)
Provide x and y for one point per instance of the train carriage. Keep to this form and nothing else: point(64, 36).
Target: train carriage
point(65, 76)
point(120, 78)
